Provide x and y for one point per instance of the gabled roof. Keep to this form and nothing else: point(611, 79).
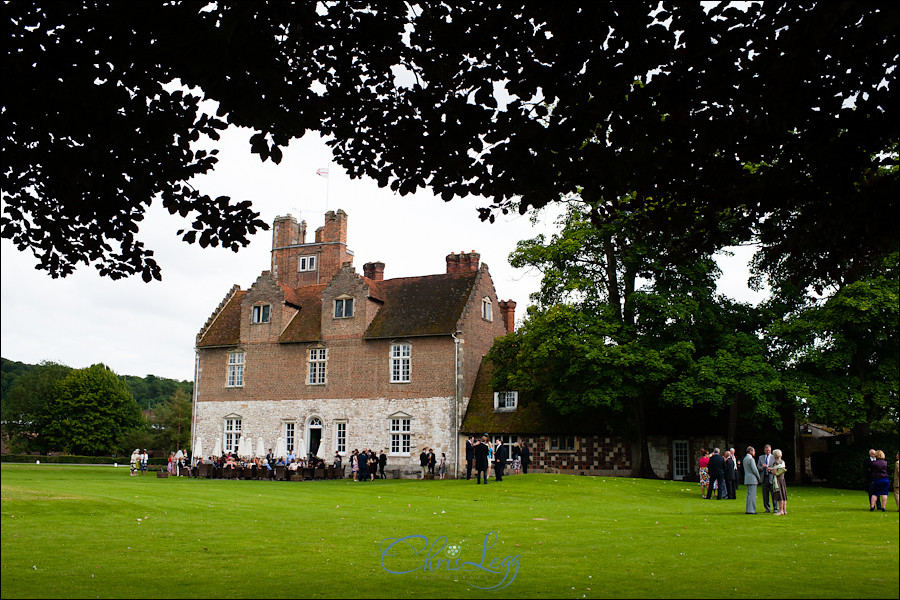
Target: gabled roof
point(224, 327)
point(306, 326)
point(420, 306)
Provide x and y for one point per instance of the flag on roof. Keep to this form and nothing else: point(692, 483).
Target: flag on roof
point(322, 172)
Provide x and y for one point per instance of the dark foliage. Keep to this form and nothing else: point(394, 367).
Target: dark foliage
point(778, 118)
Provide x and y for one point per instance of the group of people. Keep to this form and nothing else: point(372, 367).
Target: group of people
point(139, 461)
point(428, 462)
point(366, 464)
point(484, 454)
point(720, 473)
point(875, 470)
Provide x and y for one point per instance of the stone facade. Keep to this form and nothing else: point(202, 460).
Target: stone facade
point(318, 351)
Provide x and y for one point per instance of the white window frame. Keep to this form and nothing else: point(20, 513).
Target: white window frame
point(401, 362)
point(681, 460)
point(487, 309)
point(290, 433)
point(232, 437)
point(509, 441)
point(560, 442)
point(341, 306)
point(401, 436)
point(506, 401)
point(261, 313)
point(306, 263)
point(317, 369)
point(235, 375)
point(340, 437)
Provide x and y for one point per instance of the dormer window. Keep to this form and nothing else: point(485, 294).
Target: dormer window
point(261, 314)
point(487, 312)
point(306, 263)
point(343, 308)
point(505, 401)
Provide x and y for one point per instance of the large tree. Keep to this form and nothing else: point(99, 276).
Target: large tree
point(617, 331)
point(89, 413)
point(778, 114)
point(24, 403)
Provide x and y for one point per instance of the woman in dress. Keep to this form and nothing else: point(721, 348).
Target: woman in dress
point(355, 465)
point(442, 469)
point(779, 489)
point(135, 461)
point(517, 458)
point(880, 480)
point(704, 472)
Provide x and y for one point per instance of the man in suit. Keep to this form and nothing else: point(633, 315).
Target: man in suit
point(730, 475)
point(481, 459)
point(382, 463)
point(717, 474)
point(363, 461)
point(526, 458)
point(470, 456)
point(764, 465)
point(751, 479)
point(500, 455)
point(423, 461)
point(737, 471)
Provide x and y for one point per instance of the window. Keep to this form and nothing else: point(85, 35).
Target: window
point(509, 441)
point(506, 400)
point(260, 314)
point(487, 312)
point(343, 308)
point(341, 441)
point(681, 463)
point(400, 354)
point(232, 435)
point(316, 366)
point(289, 436)
point(400, 436)
point(562, 443)
point(307, 263)
point(235, 369)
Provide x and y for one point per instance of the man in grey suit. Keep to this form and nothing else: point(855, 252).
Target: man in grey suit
point(764, 465)
point(751, 479)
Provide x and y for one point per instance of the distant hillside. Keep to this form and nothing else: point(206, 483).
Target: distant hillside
point(147, 391)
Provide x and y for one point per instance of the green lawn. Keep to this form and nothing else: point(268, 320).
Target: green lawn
point(96, 532)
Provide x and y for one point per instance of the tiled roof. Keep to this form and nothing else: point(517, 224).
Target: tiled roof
point(225, 329)
point(531, 416)
point(306, 326)
point(420, 306)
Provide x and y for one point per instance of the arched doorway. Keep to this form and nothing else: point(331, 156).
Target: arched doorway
point(314, 435)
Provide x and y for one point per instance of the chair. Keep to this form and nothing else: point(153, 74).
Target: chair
point(204, 470)
point(320, 474)
point(279, 473)
point(248, 472)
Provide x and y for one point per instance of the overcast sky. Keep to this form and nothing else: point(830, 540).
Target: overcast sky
point(139, 328)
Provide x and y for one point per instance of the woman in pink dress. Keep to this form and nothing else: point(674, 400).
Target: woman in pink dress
point(704, 472)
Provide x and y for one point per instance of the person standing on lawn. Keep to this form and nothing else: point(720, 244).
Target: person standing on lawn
point(730, 475)
point(703, 470)
point(867, 477)
point(897, 481)
point(764, 466)
point(499, 460)
point(751, 479)
point(382, 463)
point(423, 461)
point(717, 474)
point(526, 458)
point(481, 459)
point(470, 456)
point(880, 481)
point(737, 471)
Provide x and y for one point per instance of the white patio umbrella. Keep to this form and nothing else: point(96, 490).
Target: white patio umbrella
point(280, 448)
point(197, 449)
point(244, 447)
point(320, 451)
point(217, 449)
point(300, 448)
point(260, 449)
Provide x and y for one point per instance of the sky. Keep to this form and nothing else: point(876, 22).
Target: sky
point(139, 328)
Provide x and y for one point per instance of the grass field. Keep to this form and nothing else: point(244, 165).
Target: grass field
point(84, 531)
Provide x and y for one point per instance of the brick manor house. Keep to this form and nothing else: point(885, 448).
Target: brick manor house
point(332, 360)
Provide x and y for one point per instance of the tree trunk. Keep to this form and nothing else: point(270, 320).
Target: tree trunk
point(732, 421)
point(644, 469)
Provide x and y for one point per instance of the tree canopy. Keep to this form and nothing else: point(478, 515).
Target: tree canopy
point(778, 118)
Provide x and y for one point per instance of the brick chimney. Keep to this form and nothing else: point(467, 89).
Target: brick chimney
point(508, 311)
point(374, 271)
point(462, 262)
